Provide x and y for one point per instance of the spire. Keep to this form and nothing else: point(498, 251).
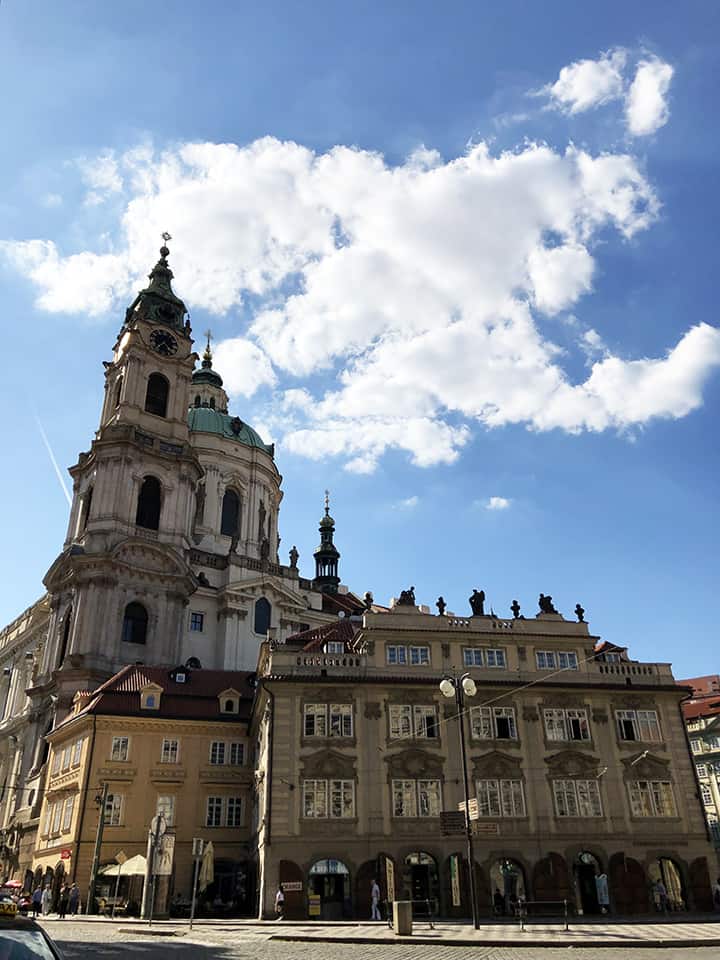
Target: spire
point(327, 554)
point(157, 303)
point(207, 356)
point(206, 374)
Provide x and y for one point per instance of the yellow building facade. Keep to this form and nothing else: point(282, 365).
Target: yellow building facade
point(164, 741)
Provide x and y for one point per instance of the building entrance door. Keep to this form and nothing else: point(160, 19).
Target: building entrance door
point(586, 870)
point(330, 880)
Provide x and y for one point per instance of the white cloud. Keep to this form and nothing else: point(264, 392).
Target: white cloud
point(245, 367)
point(497, 503)
point(399, 306)
point(409, 503)
point(646, 105)
point(588, 83)
point(102, 176)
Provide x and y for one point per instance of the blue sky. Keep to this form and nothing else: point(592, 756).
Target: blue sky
point(459, 260)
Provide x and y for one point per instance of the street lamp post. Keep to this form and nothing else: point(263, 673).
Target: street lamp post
point(460, 687)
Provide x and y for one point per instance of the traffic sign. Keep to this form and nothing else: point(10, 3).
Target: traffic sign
point(120, 857)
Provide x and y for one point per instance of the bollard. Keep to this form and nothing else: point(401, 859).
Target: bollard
point(402, 917)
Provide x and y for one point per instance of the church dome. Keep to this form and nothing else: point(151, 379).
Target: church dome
point(208, 420)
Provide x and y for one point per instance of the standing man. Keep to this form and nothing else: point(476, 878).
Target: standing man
point(74, 899)
point(46, 901)
point(36, 901)
point(375, 900)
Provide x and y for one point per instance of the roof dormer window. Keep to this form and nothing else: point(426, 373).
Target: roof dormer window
point(150, 697)
point(229, 701)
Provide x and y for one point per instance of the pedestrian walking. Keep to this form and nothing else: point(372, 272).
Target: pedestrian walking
point(36, 901)
point(46, 901)
point(74, 899)
point(660, 896)
point(603, 893)
point(375, 900)
point(279, 902)
point(63, 901)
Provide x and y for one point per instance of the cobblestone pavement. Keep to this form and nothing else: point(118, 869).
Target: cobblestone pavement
point(115, 941)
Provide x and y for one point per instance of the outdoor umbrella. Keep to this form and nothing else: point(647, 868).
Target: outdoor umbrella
point(207, 867)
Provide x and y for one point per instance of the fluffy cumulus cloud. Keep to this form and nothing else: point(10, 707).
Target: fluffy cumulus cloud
point(391, 307)
point(646, 106)
point(586, 84)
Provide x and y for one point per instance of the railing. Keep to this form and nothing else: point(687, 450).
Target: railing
point(629, 669)
point(553, 909)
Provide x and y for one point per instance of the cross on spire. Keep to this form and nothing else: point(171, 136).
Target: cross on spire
point(327, 503)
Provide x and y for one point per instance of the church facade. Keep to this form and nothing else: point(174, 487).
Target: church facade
point(171, 553)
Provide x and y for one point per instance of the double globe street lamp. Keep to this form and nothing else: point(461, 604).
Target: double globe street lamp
point(459, 688)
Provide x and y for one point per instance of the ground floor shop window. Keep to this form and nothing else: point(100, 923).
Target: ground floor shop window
point(329, 890)
point(666, 885)
point(507, 881)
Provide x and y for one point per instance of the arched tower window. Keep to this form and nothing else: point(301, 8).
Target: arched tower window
point(156, 398)
point(135, 621)
point(65, 637)
point(148, 508)
point(197, 400)
point(86, 506)
point(118, 391)
point(263, 611)
point(230, 518)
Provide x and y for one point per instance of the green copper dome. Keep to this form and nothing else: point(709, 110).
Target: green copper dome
point(207, 420)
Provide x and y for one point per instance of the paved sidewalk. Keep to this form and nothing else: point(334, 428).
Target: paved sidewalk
point(538, 934)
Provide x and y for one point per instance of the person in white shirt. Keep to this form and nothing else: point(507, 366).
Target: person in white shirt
point(279, 902)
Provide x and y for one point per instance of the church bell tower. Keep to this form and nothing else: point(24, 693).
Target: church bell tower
point(327, 555)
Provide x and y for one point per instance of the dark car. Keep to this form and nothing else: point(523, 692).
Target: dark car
point(23, 939)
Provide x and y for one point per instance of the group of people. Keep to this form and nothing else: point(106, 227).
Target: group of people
point(68, 900)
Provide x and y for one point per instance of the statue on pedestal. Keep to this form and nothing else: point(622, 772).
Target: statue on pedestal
point(407, 598)
point(579, 613)
point(515, 607)
point(546, 604)
point(440, 604)
point(477, 603)
point(294, 555)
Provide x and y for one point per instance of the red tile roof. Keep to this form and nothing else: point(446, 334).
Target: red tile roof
point(341, 631)
point(701, 706)
point(706, 686)
point(195, 699)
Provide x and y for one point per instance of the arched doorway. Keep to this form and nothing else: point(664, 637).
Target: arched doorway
point(507, 878)
point(667, 872)
point(330, 880)
point(586, 868)
point(550, 879)
point(422, 873)
point(628, 885)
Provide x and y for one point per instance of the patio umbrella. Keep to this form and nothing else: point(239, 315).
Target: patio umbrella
point(207, 867)
point(135, 866)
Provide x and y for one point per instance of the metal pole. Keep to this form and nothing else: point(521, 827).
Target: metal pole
point(196, 872)
point(96, 854)
point(153, 874)
point(459, 700)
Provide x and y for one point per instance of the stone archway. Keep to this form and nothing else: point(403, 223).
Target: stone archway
point(551, 880)
point(701, 885)
point(290, 873)
point(366, 873)
point(628, 886)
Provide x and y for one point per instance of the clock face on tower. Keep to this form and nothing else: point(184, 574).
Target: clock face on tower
point(163, 342)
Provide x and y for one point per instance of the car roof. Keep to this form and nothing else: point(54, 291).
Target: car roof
point(18, 923)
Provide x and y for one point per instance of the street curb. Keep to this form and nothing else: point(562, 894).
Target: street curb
point(152, 933)
point(505, 942)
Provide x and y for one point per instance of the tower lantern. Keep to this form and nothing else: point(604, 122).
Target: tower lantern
point(327, 554)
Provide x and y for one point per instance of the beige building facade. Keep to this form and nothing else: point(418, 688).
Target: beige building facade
point(577, 758)
point(164, 741)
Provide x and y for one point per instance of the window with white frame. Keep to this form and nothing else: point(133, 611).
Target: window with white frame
point(500, 798)
point(339, 793)
point(113, 810)
point(47, 819)
point(335, 647)
point(638, 725)
point(413, 720)
point(416, 798)
point(57, 756)
point(66, 755)
point(233, 816)
point(170, 751)
point(77, 752)
point(68, 813)
point(566, 724)
point(214, 812)
point(702, 770)
point(237, 753)
point(651, 798)
point(328, 720)
point(57, 816)
point(484, 657)
point(493, 723)
point(706, 794)
point(120, 748)
point(166, 807)
point(217, 752)
point(416, 656)
point(696, 745)
point(577, 798)
point(713, 743)
point(556, 660)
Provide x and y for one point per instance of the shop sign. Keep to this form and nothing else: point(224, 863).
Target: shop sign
point(455, 879)
point(390, 879)
point(483, 829)
point(66, 854)
point(314, 905)
point(295, 886)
